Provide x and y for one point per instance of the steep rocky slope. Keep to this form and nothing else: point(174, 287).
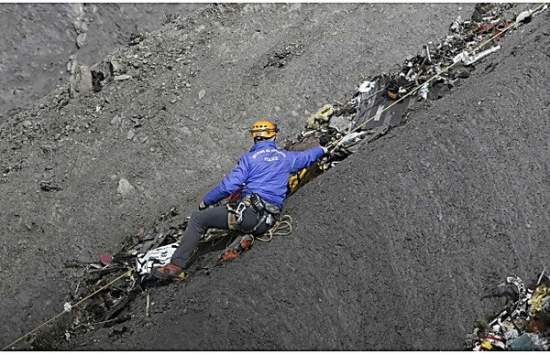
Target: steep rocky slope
point(174, 128)
point(38, 40)
point(394, 248)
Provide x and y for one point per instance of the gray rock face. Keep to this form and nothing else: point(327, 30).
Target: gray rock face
point(117, 67)
point(122, 77)
point(37, 39)
point(394, 247)
point(202, 93)
point(80, 82)
point(176, 167)
point(85, 80)
point(340, 277)
point(81, 40)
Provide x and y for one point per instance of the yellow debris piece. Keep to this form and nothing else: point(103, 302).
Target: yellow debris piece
point(320, 117)
point(486, 345)
point(538, 299)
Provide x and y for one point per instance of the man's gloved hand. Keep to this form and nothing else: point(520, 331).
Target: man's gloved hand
point(202, 206)
point(324, 139)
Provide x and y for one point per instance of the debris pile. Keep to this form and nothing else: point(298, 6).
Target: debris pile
point(111, 305)
point(137, 257)
point(523, 325)
point(381, 102)
point(369, 114)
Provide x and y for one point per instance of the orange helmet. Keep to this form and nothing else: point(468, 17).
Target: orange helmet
point(263, 129)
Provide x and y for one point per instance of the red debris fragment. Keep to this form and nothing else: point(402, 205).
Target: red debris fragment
point(105, 259)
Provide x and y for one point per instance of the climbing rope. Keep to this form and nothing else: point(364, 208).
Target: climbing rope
point(68, 308)
point(283, 227)
point(444, 70)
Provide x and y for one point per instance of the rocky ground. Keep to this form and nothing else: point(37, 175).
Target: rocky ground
point(392, 248)
point(39, 40)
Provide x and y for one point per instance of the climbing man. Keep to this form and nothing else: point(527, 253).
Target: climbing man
point(261, 177)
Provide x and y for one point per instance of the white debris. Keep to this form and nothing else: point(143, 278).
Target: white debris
point(469, 59)
point(481, 55)
point(154, 258)
point(116, 120)
point(524, 15)
point(423, 91)
point(124, 187)
point(367, 87)
point(352, 139)
point(202, 93)
point(122, 77)
point(130, 134)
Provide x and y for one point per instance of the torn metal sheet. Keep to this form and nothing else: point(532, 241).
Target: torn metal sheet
point(341, 124)
point(469, 59)
point(351, 139)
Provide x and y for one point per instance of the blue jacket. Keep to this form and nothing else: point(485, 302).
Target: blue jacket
point(263, 170)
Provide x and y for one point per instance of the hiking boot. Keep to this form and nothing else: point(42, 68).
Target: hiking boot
point(246, 242)
point(170, 271)
point(229, 254)
point(240, 245)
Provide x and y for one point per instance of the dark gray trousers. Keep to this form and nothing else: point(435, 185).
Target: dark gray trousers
point(203, 220)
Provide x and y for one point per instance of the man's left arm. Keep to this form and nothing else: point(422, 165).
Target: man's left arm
point(229, 184)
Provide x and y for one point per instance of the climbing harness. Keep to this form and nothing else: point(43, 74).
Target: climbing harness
point(239, 212)
point(267, 213)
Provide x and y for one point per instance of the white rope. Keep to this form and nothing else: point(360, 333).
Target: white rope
point(68, 308)
point(283, 227)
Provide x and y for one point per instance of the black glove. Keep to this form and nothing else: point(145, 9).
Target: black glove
point(202, 206)
point(324, 139)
